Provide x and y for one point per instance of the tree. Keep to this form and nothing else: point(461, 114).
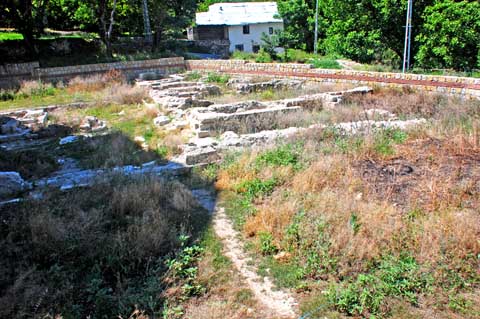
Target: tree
point(26, 16)
point(170, 18)
point(299, 23)
point(451, 35)
point(369, 30)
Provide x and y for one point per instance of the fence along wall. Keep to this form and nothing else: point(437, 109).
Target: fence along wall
point(469, 87)
point(12, 74)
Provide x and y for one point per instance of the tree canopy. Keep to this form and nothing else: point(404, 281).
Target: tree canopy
point(445, 32)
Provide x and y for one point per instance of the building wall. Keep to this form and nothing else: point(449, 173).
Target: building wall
point(236, 36)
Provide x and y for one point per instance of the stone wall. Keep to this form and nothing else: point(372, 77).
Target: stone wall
point(469, 87)
point(12, 74)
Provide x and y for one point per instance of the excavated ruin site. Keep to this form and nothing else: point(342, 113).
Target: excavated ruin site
point(186, 108)
point(294, 197)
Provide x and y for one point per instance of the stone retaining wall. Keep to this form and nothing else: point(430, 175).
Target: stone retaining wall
point(12, 74)
point(469, 87)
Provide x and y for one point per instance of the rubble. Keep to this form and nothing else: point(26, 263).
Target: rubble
point(12, 184)
point(91, 124)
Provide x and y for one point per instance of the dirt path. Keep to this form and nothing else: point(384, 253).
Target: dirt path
point(279, 304)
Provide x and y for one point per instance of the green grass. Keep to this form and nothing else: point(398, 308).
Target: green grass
point(8, 36)
point(286, 275)
point(60, 96)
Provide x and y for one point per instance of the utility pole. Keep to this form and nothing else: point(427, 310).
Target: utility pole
point(146, 23)
point(408, 37)
point(315, 44)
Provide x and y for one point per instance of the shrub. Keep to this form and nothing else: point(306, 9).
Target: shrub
point(241, 55)
point(298, 56)
point(6, 95)
point(263, 57)
point(267, 246)
point(193, 76)
point(256, 187)
point(35, 89)
point(213, 77)
point(384, 140)
point(325, 63)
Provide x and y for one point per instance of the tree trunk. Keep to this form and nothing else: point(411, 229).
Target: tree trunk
point(26, 28)
point(106, 33)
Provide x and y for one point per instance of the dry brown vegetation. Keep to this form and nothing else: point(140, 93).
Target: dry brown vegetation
point(358, 201)
point(99, 251)
point(109, 87)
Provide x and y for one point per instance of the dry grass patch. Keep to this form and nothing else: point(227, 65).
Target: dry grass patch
point(96, 82)
point(97, 252)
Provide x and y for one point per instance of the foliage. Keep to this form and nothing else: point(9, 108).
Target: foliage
point(251, 189)
point(8, 36)
point(450, 35)
point(267, 246)
point(183, 267)
point(394, 277)
point(98, 251)
point(325, 63)
point(385, 140)
point(242, 55)
point(193, 76)
point(263, 56)
point(298, 16)
point(281, 156)
point(214, 77)
point(269, 45)
point(297, 55)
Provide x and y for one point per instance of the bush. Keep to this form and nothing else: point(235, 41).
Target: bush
point(256, 187)
point(6, 95)
point(267, 247)
point(35, 89)
point(97, 252)
point(325, 63)
point(241, 55)
point(298, 56)
point(193, 76)
point(263, 57)
point(213, 77)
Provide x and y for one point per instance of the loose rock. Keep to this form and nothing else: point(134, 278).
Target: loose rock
point(12, 184)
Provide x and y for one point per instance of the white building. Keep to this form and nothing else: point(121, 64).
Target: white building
point(241, 23)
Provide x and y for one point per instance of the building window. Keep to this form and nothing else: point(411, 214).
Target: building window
point(246, 29)
point(239, 47)
point(270, 30)
point(255, 48)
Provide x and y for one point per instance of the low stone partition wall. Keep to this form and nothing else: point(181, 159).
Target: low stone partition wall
point(468, 87)
point(12, 74)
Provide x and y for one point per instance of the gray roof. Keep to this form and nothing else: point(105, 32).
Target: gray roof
point(239, 13)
